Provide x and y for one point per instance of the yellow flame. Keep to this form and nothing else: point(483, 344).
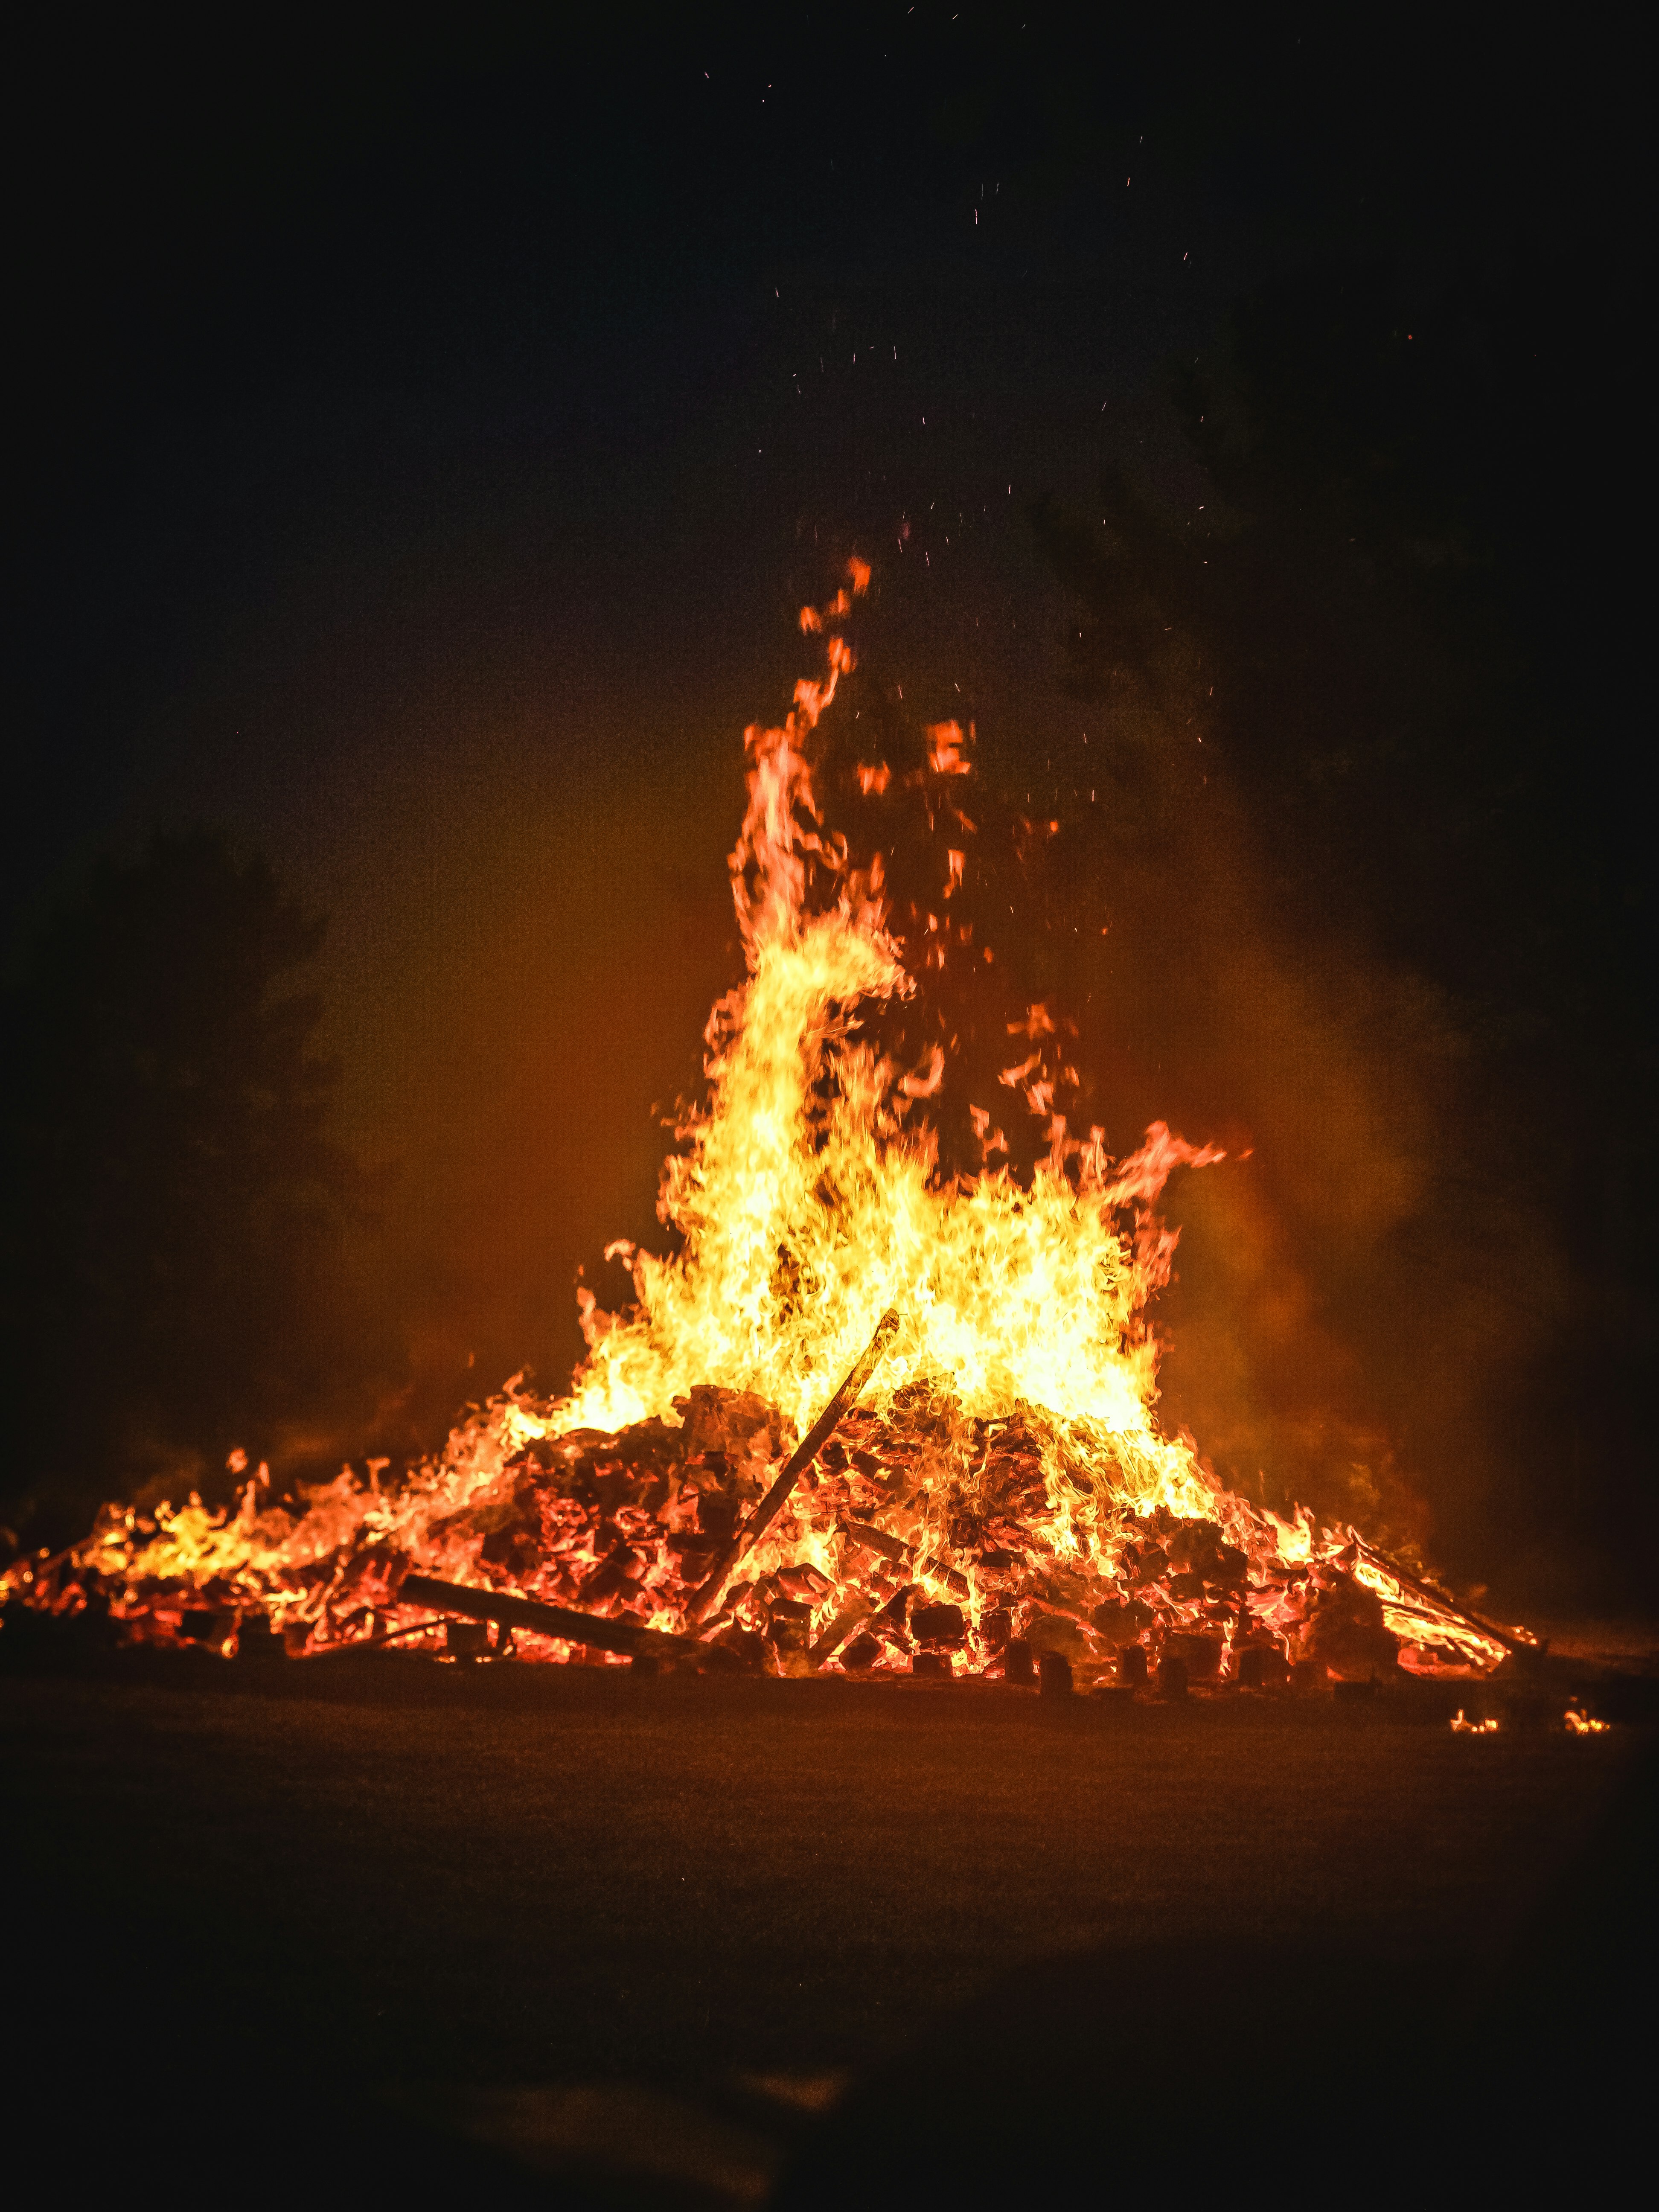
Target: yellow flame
point(806, 1199)
point(1581, 1724)
point(802, 1221)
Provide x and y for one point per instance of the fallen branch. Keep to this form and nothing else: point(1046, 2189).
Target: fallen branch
point(794, 1467)
point(560, 1620)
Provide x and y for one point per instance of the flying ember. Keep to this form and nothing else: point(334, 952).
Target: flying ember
point(865, 1416)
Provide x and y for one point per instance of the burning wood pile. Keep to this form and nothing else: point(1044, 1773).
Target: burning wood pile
point(868, 1418)
point(916, 1541)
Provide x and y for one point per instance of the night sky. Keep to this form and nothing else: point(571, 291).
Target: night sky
point(422, 452)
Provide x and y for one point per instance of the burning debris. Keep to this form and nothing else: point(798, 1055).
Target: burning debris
point(987, 1491)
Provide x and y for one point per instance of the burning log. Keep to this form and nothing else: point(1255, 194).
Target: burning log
point(795, 1466)
point(571, 1627)
point(906, 1555)
point(850, 1616)
point(939, 1624)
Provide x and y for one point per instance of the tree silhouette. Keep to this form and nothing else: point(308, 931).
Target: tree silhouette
point(176, 1204)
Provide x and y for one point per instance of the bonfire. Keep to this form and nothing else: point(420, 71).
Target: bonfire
point(866, 1417)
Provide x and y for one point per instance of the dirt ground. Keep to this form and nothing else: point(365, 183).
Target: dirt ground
point(438, 1885)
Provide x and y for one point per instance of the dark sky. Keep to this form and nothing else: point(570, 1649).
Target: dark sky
point(421, 452)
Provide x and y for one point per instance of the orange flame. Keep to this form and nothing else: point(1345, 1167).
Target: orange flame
point(807, 1201)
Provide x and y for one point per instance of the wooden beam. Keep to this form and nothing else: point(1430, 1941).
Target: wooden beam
point(560, 1620)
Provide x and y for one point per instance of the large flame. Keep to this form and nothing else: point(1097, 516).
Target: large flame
point(807, 1198)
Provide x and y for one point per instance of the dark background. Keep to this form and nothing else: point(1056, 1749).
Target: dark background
point(420, 449)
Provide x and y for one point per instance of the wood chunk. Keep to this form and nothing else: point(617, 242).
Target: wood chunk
point(1120, 1623)
point(1345, 1629)
point(198, 1625)
point(891, 1618)
point(1017, 1663)
point(791, 1609)
point(787, 1640)
point(996, 1625)
point(1262, 1666)
point(257, 1640)
point(1171, 1676)
point(1056, 1676)
point(1199, 1654)
point(742, 1647)
point(1191, 1542)
point(939, 1624)
point(877, 1539)
point(1057, 1631)
point(1231, 1568)
point(1132, 1664)
point(612, 1575)
point(717, 1518)
point(903, 1554)
point(856, 1611)
point(802, 1582)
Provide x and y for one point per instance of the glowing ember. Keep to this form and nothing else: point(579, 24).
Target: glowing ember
point(1581, 1724)
point(1462, 1726)
point(999, 1487)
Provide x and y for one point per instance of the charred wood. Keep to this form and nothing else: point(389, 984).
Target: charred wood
point(1441, 1605)
point(851, 1616)
point(571, 1627)
point(1262, 1666)
point(939, 1624)
point(905, 1555)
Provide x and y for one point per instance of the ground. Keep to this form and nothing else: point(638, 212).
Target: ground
point(439, 1883)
